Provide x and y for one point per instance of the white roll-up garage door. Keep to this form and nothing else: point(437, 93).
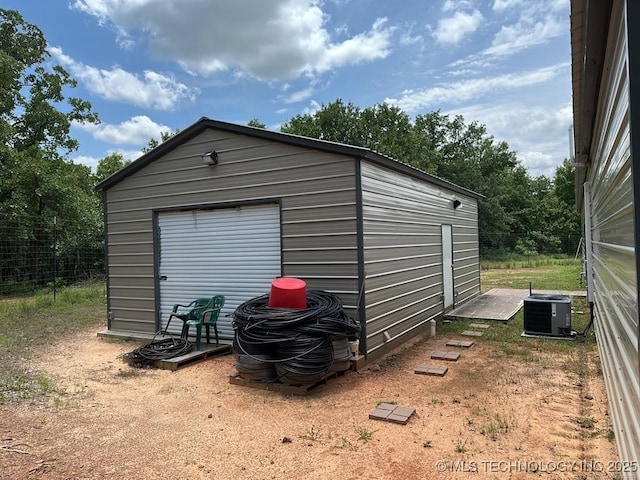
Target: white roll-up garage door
point(234, 252)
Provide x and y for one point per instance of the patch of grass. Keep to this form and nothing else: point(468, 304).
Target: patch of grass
point(543, 274)
point(364, 435)
point(128, 373)
point(460, 445)
point(19, 386)
point(513, 261)
point(347, 444)
point(28, 323)
point(312, 434)
point(496, 425)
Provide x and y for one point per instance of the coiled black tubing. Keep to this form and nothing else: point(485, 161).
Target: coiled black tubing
point(298, 341)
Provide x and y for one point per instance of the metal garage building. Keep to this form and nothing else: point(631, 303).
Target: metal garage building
point(605, 46)
point(224, 209)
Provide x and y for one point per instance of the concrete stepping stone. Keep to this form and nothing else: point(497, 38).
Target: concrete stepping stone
point(472, 333)
point(479, 325)
point(434, 370)
point(460, 343)
point(389, 412)
point(450, 356)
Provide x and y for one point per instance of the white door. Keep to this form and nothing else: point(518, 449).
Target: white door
point(233, 251)
point(447, 266)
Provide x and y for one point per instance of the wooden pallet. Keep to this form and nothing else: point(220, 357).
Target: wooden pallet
point(184, 360)
point(278, 386)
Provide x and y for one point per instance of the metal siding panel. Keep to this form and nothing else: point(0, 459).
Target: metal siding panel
point(613, 251)
point(316, 191)
point(403, 250)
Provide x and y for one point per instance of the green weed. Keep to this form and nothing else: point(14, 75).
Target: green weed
point(364, 435)
point(496, 425)
point(312, 434)
point(460, 446)
point(346, 444)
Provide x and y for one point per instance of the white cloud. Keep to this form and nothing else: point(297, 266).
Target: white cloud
point(534, 23)
point(502, 5)
point(135, 131)
point(298, 96)
point(538, 134)
point(450, 5)
point(452, 30)
point(408, 38)
point(153, 90)
point(312, 108)
point(279, 39)
point(467, 90)
point(92, 162)
point(513, 38)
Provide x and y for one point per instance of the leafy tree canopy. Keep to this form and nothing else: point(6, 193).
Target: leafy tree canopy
point(464, 154)
point(254, 122)
point(37, 182)
point(110, 165)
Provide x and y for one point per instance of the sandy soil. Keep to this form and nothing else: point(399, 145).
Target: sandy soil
point(494, 415)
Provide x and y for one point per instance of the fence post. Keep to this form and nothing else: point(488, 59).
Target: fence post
point(55, 254)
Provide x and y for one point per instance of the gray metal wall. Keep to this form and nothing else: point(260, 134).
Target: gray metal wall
point(402, 219)
point(316, 192)
point(614, 273)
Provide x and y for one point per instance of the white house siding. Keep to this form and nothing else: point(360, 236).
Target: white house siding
point(402, 242)
point(612, 234)
point(316, 191)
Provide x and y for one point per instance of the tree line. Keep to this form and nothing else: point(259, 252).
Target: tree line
point(40, 182)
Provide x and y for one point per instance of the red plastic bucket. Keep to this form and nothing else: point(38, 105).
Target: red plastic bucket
point(288, 292)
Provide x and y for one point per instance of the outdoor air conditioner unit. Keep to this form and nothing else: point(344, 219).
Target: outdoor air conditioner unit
point(548, 315)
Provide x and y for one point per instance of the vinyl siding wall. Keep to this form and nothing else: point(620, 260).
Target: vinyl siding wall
point(614, 273)
point(316, 191)
point(402, 220)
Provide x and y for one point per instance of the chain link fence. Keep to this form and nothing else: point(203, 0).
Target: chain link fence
point(39, 253)
point(508, 245)
point(47, 253)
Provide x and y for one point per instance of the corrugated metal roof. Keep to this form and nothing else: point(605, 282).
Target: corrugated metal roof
point(305, 142)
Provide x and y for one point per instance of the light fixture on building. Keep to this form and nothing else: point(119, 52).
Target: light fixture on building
point(210, 158)
point(456, 204)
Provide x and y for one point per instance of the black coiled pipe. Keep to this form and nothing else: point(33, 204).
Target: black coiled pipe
point(299, 341)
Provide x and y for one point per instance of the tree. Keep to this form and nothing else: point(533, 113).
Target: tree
point(37, 182)
point(153, 143)
point(110, 165)
point(254, 122)
point(461, 153)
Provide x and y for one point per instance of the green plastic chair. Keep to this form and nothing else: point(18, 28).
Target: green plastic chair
point(191, 311)
point(206, 315)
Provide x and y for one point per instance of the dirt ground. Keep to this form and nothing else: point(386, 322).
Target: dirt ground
point(493, 415)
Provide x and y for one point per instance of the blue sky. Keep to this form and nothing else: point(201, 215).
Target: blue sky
point(151, 66)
